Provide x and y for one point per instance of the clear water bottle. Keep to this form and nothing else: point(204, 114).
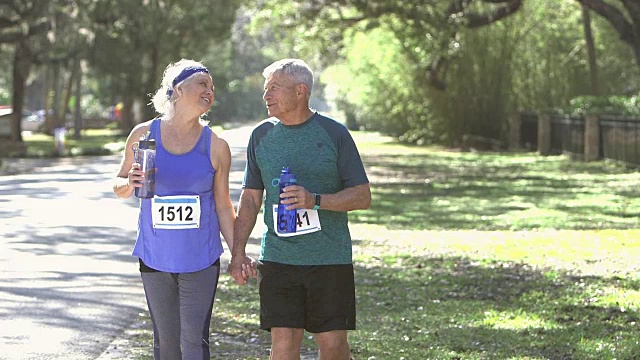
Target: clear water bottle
point(286, 218)
point(146, 157)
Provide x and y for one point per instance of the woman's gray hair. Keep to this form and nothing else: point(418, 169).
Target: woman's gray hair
point(163, 104)
point(296, 69)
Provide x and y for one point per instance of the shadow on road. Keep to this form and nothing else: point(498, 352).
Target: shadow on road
point(69, 283)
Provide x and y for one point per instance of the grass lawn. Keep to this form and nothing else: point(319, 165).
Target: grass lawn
point(427, 188)
point(475, 256)
point(92, 142)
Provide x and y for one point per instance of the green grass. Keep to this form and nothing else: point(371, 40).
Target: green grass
point(475, 256)
point(473, 295)
point(428, 188)
point(498, 295)
point(92, 142)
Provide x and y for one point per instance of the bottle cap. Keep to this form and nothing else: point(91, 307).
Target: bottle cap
point(147, 144)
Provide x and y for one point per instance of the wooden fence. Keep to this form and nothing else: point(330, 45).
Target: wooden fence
point(590, 137)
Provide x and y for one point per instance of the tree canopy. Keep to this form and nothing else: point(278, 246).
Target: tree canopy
point(624, 16)
point(425, 71)
point(437, 71)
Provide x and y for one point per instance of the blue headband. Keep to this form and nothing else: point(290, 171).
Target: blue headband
point(184, 74)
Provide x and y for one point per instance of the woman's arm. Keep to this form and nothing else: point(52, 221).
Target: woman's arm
point(130, 175)
point(221, 161)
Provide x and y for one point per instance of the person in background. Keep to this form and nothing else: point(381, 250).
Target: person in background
point(306, 281)
point(178, 242)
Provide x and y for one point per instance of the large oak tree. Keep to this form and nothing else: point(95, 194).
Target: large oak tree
point(427, 29)
point(626, 24)
point(136, 39)
point(20, 21)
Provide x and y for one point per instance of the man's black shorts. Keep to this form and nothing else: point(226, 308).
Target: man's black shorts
point(318, 298)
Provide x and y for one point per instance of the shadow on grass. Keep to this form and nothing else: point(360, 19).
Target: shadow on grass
point(421, 307)
point(440, 190)
point(456, 308)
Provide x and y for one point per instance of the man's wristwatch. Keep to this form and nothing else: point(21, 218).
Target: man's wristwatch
point(316, 204)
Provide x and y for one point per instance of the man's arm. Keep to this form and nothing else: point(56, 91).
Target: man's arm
point(248, 209)
point(352, 198)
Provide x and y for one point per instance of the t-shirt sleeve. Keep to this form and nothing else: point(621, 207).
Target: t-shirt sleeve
point(252, 174)
point(350, 166)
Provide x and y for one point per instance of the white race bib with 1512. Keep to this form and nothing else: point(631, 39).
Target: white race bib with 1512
point(176, 212)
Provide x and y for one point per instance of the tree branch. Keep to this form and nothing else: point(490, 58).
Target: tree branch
point(508, 8)
point(19, 32)
point(615, 17)
point(437, 69)
point(633, 6)
point(6, 22)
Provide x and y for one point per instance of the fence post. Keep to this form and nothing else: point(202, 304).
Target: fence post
point(515, 135)
point(591, 137)
point(544, 134)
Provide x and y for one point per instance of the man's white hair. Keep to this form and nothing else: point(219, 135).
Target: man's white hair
point(296, 69)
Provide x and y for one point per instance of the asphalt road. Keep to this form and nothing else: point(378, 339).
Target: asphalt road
point(69, 285)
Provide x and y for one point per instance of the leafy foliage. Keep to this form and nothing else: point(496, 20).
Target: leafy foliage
point(616, 105)
point(391, 61)
point(135, 40)
point(23, 18)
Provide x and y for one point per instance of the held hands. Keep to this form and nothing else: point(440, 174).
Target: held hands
point(297, 197)
point(241, 268)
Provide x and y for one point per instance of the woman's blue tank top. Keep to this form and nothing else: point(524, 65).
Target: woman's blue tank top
point(181, 250)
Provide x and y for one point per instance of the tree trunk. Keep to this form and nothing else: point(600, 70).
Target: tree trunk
point(47, 96)
point(21, 66)
point(591, 51)
point(67, 93)
point(77, 118)
point(53, 115)
point(127, 122)
point(153, 82)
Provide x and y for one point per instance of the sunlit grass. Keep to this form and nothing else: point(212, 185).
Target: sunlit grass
point(430, 188)
point(514, 321)
point(91, 142)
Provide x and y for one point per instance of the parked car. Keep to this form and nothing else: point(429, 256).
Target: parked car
point(30, 121)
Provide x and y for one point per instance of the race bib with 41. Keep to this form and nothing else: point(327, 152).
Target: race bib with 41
point(307, 221)
point(176, 212)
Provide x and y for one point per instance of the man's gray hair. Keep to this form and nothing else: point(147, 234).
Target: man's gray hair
point(296, 69)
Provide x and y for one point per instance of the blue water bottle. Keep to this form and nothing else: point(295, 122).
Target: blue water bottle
point(286, 218)
point(146, 156)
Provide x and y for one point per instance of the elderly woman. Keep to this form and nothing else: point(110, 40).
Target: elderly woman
point(179, 255)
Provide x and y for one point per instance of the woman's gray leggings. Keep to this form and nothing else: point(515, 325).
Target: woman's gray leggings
point(180, 306)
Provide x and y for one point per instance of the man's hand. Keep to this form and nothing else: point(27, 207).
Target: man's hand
point(297, 197)
point(241, 268)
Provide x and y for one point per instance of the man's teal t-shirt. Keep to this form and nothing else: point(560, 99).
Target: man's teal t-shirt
point(325, 160)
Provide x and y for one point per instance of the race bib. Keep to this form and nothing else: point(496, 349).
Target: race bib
point(307, 221)
point(176, 212)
